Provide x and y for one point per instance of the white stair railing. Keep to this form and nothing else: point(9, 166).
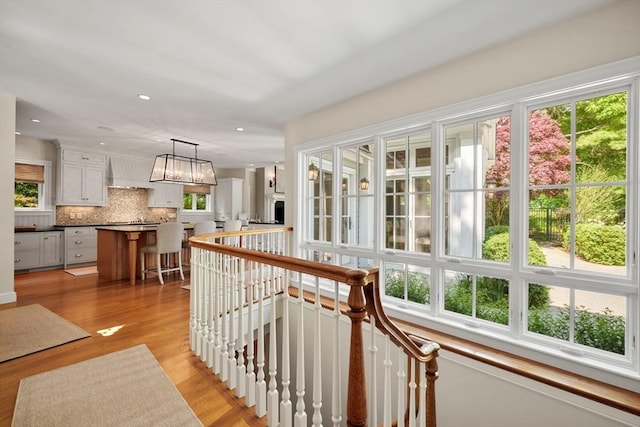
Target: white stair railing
point(243, 328)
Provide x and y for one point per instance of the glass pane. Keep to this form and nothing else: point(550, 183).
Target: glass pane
point(422, 235)
point(549, 311)
point(389, 205)
point(401, 159)
point(462, 147)
point(549, 146)
point(495, 138)
point(423, 157)
point(201, 202)
point(492, 299)
point(422, 205)
point(400, 205)
point(601, 138)
point(459, 225)
point(600, 321)
point(187, 201)
point(25, 195)
point(458, 292)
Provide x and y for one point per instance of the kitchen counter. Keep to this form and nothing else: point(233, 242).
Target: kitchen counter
point(118, 247)
point(37, 229)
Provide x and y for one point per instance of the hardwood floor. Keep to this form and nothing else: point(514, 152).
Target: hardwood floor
point(147, 313)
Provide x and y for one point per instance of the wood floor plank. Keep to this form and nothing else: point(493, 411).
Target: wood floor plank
point(147, 313)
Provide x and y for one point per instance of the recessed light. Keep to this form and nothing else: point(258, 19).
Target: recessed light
point(18, 133)
point(239, 129)
point(144, 97)
point(103, 143)
point(35, 120)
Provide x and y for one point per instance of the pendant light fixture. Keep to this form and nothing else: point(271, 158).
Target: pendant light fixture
point(173, 168)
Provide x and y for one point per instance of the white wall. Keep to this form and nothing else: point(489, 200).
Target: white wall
point(7, 178)
point(468, 393)
point(602, 36)
point(606, 35)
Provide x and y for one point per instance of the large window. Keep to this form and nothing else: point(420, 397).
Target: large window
point(196, 198)
point(518, 222)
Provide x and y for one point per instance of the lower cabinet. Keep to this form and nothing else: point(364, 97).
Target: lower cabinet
point(81, 245)
point(37, 249)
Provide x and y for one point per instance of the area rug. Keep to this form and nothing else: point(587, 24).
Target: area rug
point(25, 330)
point(125, 388)
point(82, 271)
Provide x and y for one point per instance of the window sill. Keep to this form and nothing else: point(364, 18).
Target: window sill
point(606, 394)
point(589, 388)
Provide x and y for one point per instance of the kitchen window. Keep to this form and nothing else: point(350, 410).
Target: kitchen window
point(31, 187)
point(196, 198)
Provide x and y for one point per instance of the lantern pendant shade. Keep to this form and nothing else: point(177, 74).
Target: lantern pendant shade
point(183, 170)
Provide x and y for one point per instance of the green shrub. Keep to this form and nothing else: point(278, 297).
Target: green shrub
point(496, 248)
point(600, 244)
point(489, 306)
point(418, 290)
point(495, 229)
point(604, 330)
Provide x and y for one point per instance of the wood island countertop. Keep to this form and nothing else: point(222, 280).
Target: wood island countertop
point(118, 247)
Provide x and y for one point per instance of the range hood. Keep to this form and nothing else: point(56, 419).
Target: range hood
point(129, 172)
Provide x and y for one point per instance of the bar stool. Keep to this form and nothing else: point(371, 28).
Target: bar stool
point(168, 241)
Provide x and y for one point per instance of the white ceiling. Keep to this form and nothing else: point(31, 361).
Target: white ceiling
point(212, 66)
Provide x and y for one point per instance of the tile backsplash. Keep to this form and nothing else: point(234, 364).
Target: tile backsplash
point(123, 205)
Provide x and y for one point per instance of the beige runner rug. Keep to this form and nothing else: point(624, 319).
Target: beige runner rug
point(125, 388)
point(25, 330)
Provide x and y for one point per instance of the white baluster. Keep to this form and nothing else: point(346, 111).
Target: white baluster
point(233, 286)
point(422, 410)
point(241, 371)
point(250, 398)
point(195, 252)
point(261, 386)
point(300, 418)
point(224, 286)
point(273, 397)
point(336, 387)
point(217, 311)
point(317, 360)
point(402, 381)
point(412, 393)
point(286, 409)
point(387, 416)
point(373, 377)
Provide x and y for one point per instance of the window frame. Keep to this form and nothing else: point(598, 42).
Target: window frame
point(194, 210)
point(517, 340)
point(44, 189)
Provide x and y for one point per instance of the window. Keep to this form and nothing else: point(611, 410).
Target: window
point(517, 223)
point(196, 198)
point(30, 190)
point(408, 192)
point(357, 190)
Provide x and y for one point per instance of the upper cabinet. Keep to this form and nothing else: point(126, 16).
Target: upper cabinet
point(81, 178)
point(228, 198)
point(165, 195)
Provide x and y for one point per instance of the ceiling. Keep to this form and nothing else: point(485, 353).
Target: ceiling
point(213, 66)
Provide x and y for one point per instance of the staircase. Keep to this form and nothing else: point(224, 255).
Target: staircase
point(304, 343)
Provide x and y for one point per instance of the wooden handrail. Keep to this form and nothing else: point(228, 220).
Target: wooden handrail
point(363, 303)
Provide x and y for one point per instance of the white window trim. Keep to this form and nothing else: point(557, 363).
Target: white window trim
point(44, 198)
point(612, 75)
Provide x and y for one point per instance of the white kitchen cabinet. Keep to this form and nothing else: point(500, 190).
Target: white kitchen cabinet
point(82, 179)
point(165, 195)
point(51, 248)
point(228, 198)
point(80, 245)
point(37, 249)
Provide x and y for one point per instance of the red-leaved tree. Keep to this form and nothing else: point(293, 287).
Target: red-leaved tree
point(549, 158)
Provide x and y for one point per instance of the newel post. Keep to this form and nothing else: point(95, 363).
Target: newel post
point(356, 392)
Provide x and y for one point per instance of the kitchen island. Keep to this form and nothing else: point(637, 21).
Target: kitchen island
point(118, 248)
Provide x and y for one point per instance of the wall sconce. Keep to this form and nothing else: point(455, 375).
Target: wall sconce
point(314, 172)
point(272, 181)
point(364, 184)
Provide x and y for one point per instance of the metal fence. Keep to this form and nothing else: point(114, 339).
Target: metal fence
point(548, 223)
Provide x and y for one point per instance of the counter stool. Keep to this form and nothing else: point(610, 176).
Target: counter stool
point(168, 241)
